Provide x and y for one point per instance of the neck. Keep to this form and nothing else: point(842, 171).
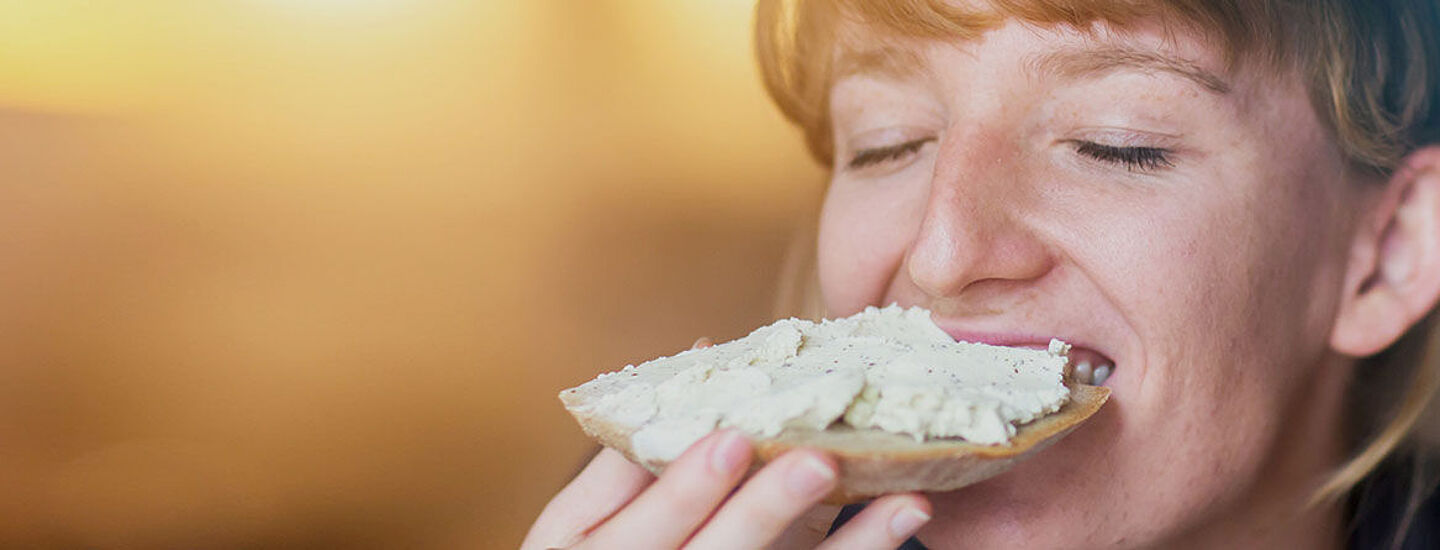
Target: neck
point(1278, 513)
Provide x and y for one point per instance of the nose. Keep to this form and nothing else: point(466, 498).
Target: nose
point(974, 228)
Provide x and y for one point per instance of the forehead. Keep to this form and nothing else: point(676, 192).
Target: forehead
point(1149, 46)
point(900, 63)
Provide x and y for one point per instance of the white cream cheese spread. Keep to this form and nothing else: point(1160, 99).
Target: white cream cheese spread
point(886, 368)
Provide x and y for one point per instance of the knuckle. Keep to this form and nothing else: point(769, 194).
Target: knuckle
point(770, 514)
point(688, 494)
point(772, 499)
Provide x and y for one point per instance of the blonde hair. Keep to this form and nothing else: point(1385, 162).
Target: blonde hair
point(1370, 67)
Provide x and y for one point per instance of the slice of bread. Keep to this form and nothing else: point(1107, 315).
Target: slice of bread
point(872, 462)
point(899, 403)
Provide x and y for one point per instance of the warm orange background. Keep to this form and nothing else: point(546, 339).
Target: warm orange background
point(310, 272)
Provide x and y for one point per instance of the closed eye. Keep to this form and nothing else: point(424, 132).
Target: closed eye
point(1143, 159)
point(888, 153)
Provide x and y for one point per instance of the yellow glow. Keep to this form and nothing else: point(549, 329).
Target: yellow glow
point(126, 57)
point(75, 55)
point(326, 275)
point(342, 8)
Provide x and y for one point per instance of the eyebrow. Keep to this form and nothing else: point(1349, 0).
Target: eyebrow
point(1093, 62)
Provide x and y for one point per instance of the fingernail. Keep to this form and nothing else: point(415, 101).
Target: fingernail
point(729, 452)
point(907, 521)
point(809, 476)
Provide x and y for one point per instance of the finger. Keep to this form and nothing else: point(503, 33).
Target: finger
point(885, 523)
point(767, 504)
point(605, 485)
point(809, 530)
point(671, 508)
point(702, 343)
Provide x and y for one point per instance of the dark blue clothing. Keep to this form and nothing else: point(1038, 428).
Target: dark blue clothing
point(1378, 508)
point(1376, 511)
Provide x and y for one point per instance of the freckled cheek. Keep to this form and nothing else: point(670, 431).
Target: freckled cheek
point(861, 245)
point(1154, 260)
point(1249, 273)
point(1211, 311)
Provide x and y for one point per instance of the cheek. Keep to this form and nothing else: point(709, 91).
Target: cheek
point(1273, 240)
point(1234, 287)
point(1257, 271)
point(865, 230)
point(1232, 295)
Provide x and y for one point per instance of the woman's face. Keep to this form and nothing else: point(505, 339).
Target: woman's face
point(1123, 192)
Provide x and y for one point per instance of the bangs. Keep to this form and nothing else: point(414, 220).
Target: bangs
point(796, 41)
point(937, 19)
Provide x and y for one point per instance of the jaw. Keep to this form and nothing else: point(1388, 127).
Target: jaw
point(1059, 499)
point(1132, 478)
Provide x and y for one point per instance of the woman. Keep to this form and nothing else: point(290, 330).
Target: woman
point(1237, 203)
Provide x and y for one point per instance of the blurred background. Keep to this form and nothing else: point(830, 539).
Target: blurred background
point(309, 273)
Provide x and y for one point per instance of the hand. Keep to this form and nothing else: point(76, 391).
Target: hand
point(616, 504)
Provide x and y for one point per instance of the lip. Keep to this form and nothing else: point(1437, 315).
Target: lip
point(1016, 340)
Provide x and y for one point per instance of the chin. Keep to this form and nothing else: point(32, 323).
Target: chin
point(1066, 497)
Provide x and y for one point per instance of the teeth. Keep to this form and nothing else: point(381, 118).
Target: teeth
point(1082, 372)
point(1096, 375)
point(1101, 373)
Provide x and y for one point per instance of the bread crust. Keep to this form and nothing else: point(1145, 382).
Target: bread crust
point(874, 462)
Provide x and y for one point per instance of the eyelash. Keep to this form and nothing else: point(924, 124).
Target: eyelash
point(1144, 159)
point(888, 153)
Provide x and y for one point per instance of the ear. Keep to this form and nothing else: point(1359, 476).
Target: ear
point(1393, 278)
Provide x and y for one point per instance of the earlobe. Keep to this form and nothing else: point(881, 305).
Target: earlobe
point(1394, 276)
